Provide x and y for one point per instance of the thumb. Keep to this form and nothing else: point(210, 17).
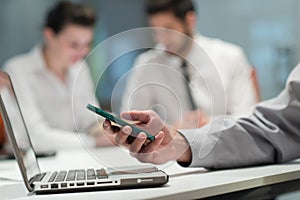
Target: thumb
point(142, 116)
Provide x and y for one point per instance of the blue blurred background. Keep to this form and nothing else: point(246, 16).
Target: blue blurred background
point(267, 30)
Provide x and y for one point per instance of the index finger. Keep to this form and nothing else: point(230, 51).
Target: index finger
point(109, 128)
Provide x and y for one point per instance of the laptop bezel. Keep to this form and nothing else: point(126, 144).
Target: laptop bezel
point(12, 139)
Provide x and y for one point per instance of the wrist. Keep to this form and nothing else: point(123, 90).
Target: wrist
point(184, 153)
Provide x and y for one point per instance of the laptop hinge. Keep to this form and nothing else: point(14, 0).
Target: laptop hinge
point(32, 179)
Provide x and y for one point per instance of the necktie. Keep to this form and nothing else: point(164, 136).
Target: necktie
point(186, 75)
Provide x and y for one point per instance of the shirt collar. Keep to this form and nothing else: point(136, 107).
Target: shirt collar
point(41, 68)
point(38, 57)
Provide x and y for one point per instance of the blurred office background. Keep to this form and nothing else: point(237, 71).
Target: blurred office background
point(268, 31)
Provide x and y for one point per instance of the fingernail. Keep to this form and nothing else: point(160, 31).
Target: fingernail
point(159, 135)
point(105, 123)
point(126, 130)
point(141, 136)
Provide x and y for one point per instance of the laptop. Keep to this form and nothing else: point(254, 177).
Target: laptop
point(73, 180)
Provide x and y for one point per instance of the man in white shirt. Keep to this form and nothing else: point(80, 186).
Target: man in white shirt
point(53, 83)
point(157, 81)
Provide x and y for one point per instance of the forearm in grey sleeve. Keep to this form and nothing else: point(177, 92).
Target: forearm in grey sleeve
point(270, 135)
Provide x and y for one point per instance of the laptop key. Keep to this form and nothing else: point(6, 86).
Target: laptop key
point(101, 173)
point(61, 176)
point(40, 177)
point(80, 175)
point(71, 175)
point(91, 174)
point(52, 177)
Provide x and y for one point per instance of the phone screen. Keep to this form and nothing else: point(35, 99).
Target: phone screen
point(110, 117)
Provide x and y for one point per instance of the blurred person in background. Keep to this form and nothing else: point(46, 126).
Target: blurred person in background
point(163, 81)
point(53, 81)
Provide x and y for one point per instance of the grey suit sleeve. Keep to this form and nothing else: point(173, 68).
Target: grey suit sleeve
point(270, 135)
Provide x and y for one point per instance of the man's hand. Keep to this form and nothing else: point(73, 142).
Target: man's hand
point(168, 144)
point(192, 120)
point(102, 140)
point(105, 140)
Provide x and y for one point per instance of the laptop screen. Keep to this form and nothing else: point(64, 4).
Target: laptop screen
point(16, 129)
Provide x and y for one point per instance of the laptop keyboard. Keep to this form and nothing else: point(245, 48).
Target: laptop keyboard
point(76, 175)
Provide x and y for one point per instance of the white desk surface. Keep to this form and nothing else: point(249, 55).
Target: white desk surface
point(184, 183)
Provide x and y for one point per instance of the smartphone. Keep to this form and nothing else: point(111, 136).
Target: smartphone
point(135, 130)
